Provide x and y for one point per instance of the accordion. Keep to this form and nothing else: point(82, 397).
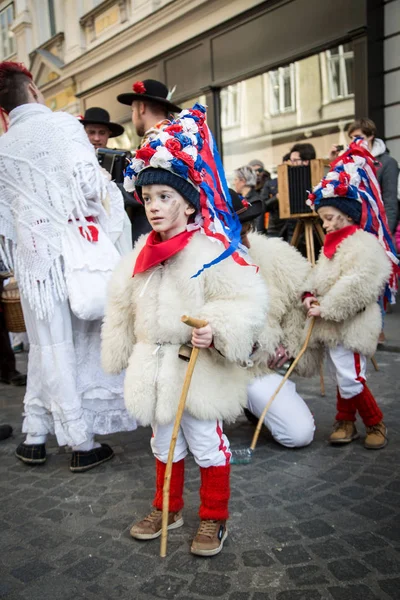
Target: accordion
point(294, 184)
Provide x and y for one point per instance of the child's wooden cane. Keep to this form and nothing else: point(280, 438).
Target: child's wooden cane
point(196, 323)
point(280, 386)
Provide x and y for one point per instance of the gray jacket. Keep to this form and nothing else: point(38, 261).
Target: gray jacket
point(388, 172)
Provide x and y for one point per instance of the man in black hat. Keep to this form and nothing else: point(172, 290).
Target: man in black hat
point(151, 105)
point(99, 128)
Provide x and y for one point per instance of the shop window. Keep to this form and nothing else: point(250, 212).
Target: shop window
point(340, 71)
point(230, 106)
point(282, 90)
point(7, 36)
point(276, 109)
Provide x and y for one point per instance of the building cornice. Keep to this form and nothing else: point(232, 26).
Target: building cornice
point(150, 25)
point(97, 10)
point(169, 15)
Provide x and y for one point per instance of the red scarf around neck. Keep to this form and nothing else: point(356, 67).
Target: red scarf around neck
point(155, 251)
point(335, 238)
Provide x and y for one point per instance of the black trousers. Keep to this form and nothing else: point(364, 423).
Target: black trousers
point(7, 358)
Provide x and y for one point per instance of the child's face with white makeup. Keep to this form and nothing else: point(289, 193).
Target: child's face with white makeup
point(333, 219)
point(167, 211)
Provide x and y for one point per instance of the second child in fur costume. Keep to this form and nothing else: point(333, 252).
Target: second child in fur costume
point(179, 269)
point(285, 272)
point(356, 263)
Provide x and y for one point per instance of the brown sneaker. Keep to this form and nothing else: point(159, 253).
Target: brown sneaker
point(376, 436)
point(343, 432)
point(209, 538)
point(150, 527)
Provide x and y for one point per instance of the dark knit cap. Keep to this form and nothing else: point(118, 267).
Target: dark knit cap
point(152, 176)
point(350, 207)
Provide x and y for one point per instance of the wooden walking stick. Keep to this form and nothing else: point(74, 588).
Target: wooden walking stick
point(246, 456)
point(197, 324)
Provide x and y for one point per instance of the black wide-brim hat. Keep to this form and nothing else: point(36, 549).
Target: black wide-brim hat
point(99, 116)
point(245, 210)
point(152, 90)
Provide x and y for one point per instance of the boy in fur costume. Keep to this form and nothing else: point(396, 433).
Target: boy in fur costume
point(179, 269)
point(356, 263)
point(285, 272)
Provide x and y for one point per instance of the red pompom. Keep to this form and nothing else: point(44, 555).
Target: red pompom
point(173, 145)
point(139, 87)
point(145, 153)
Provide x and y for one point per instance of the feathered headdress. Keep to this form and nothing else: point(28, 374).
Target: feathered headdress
point(352, 177)
point(187, 148)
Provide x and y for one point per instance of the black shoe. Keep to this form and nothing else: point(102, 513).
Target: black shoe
point(31, 454)
point(14, 378)
point(5, 431)
point(83, 461)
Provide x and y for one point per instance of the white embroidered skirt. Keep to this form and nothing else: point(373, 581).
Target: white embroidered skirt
point(67, 392)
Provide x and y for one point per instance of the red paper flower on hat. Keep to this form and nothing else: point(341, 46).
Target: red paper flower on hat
point(173, 145)
point(145, 153)
point(341, 189)
point(173, 129)
point(138, 87)
point(195, 176)
point(80, 117)
point(185, 158)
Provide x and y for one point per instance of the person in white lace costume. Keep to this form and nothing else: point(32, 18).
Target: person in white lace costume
point(50, 182)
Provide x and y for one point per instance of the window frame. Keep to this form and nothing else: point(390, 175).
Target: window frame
point(231, 118)
point(340, 58)
point(6, 32)
point(278, 75)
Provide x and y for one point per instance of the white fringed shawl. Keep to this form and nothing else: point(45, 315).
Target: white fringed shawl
point(45, 159)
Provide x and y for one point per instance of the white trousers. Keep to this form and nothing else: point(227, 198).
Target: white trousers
point(348, 369)
point(205, 440)
point(289, 419)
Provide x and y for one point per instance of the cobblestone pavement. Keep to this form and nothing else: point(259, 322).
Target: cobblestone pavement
point(317, 523)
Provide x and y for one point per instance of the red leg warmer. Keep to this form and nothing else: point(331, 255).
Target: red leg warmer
point(346, 409)
point(366, 404)
point(214, 493)
point(176, 487)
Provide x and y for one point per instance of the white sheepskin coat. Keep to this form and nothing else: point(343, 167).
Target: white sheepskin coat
point(348, 287)
point(286, 273)
point(142, 332)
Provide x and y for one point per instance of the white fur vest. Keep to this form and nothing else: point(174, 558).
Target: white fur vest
point(286, 273)
point(142, 332)
point(348, 287)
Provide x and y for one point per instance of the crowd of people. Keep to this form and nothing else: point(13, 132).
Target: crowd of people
point(104, 320)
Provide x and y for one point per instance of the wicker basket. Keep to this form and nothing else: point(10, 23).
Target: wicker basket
point(12, 308)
